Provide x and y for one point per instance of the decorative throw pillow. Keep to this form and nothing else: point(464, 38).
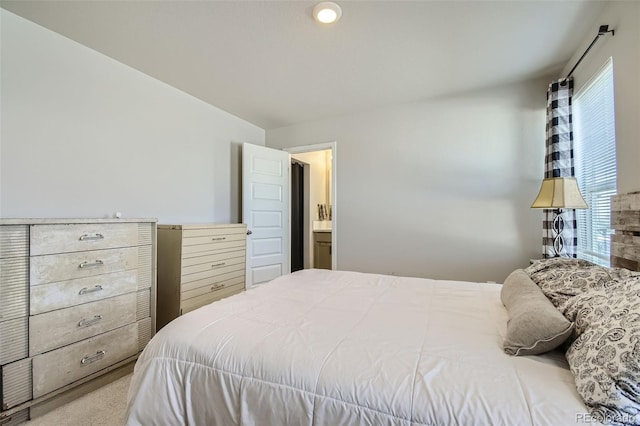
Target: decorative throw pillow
point(535, 326)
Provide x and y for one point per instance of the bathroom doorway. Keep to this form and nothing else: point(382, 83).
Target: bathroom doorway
point(313, 194)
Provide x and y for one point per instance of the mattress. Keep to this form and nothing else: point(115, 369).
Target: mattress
point(343, 348)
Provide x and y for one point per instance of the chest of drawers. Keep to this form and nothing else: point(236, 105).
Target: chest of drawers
point(197, 265)
point(77, 301)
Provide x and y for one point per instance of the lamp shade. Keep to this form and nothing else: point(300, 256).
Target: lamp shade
point(559, 193)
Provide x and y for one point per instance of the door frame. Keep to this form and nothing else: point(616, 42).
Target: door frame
point(304, 225)
point(334, 160)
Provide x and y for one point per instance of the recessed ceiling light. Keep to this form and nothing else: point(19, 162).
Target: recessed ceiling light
point(327, 12)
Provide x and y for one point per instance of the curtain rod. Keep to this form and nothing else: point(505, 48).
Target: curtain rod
point(604, 29)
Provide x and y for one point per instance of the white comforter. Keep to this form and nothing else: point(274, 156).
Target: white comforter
point(344, 348)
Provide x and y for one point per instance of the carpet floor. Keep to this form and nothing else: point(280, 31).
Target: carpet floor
point(102, 407)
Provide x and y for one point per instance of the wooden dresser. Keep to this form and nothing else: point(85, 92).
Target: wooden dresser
point(77, 302)
point(197, 265)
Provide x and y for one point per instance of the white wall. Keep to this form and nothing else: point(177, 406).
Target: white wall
point(624, 48)
point(440, 188)
point(85, 136)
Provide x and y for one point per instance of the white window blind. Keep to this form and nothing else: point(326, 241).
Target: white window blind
point(595, 163)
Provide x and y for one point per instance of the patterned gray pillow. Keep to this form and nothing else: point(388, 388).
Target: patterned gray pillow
point(604, 303)
point(535, 326)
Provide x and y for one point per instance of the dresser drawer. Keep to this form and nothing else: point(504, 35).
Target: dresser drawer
point(59, 328)
point(16, 383)
point(62, 267)
point(213, 272)
point(214, 257)
point(212, 263)
point(212, 287)
point(58, 368)
point(214, 232)
point(59, 295)
point(14, 339)
point(239, 272)
point(50, 239)
point(14, 287)
point(215, 241)
point(196, 302)
point(14, 241)
point(212, 248)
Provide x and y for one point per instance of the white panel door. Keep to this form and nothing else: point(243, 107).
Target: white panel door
point(265, 210)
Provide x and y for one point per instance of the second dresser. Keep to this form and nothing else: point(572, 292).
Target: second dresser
point(198, 264)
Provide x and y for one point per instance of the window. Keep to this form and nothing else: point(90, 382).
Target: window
point(595, 164)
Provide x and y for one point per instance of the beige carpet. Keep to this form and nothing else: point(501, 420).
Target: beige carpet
point(102, 407)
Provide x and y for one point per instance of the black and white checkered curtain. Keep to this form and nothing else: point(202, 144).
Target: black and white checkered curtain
point(559, 162)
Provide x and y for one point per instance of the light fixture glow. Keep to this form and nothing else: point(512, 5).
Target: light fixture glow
point(327, 16)
point(327, 12)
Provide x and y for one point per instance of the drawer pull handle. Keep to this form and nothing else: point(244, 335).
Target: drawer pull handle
point(90, 264)
point(89, 359)
point(217, 265)
point(86, 290)
point(87, 322)
point(90, 237)
point(217, 286)
point(218, 238)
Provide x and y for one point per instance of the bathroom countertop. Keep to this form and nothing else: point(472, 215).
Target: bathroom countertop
point(322, 226)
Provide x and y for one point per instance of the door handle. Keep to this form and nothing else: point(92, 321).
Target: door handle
point(249, 232)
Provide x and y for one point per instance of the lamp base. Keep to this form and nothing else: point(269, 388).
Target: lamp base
point(558, 228)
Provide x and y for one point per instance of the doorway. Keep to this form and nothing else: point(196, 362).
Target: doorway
point(313, 206)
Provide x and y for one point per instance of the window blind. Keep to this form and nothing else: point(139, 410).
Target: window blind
point(595, 164)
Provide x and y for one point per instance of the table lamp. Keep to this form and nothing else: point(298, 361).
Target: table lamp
point(559, 193)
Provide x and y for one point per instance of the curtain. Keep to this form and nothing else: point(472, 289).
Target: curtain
point(559, 163)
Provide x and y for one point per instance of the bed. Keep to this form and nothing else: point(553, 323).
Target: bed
point(344, 348)
point(329, 347)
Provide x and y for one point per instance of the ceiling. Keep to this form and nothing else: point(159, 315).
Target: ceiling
point(271, 64)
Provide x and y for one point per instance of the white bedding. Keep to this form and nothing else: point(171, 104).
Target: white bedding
point(343, 348)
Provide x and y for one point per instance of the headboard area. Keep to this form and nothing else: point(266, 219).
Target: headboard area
point(625, 221)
